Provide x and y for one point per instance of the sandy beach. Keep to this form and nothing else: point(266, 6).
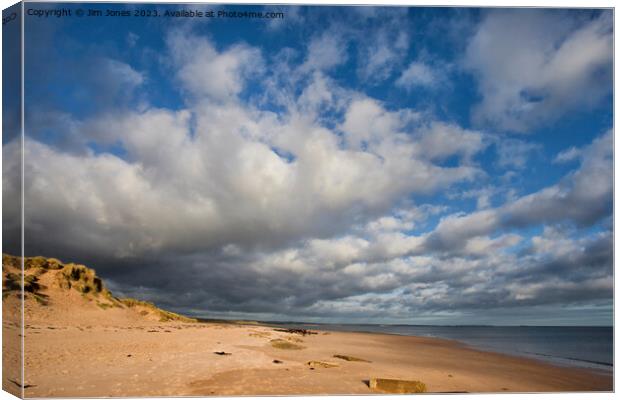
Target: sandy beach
point(180, 359)
point(87, 343)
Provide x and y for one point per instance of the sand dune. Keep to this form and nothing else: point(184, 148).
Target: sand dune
point(82, 341)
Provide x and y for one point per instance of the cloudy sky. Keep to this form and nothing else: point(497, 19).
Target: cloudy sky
point(377, 165)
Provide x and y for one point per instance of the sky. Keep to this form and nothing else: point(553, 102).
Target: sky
point(342, 164)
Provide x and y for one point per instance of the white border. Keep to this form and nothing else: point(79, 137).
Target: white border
point(475, 3)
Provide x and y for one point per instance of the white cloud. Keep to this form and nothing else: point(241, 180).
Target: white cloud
point(440, 140)
point(567, 155)
point(221, 174)
point(390, 223)
point(321, 95)
point(482, 245)
point(533, 66)
point(514, 153)
point(381, 53)
point(455, 230)
point(367, 123)
point(205, 71)
point(417, 74)
point(582, 197)
point(124, 72)
point(483, 195)
point(326, 51)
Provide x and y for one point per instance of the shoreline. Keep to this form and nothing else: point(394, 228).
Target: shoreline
point(211, 359)
point(554, 360)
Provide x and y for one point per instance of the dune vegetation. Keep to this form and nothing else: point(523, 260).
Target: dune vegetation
point(70, 277)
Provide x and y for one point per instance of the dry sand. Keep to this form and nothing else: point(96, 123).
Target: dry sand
point(179, 359)
point(74, 347)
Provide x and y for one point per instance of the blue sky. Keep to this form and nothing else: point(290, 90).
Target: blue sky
point(343, 164)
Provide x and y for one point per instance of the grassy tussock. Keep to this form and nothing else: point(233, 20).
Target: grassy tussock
point(42, 263)
point(12, 283)
point(41, 298)
point(150, 308)
point(104, 306)
point(80, 278)
point(9, 262)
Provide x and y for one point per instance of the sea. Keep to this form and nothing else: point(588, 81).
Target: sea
point(574, 346)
